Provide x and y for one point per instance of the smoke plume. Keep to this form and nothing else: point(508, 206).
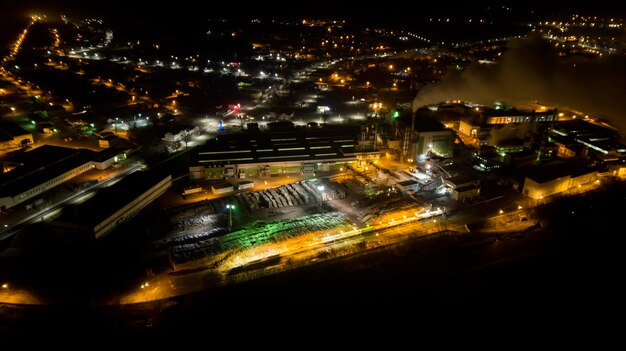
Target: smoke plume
point(531, 70)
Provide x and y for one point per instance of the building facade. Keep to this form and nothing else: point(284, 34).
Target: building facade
point(538, 188)
point(289, 151)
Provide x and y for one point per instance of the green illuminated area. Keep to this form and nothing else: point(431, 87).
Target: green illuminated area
point(272, 232)
point(258, 233)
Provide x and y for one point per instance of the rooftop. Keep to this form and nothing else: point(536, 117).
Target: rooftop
point(492, 112)
point(290, 145)
point(111, 199)
point(9, 130)
point(581, 128)
point(523, 153)
point(407, 182)
point(557, 169)
point(429, 125)
point(596, 137)
point(40, 165)
point(106, 154)
point(462, 180)
point(424, 124)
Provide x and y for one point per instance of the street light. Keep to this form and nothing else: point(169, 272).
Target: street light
point(320, 188)
point(230, 215)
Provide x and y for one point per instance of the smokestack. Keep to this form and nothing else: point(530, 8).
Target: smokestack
point(411, 151)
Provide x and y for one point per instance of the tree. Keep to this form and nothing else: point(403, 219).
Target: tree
point(186, 137)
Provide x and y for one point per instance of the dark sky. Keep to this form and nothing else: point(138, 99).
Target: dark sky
point(398, 9)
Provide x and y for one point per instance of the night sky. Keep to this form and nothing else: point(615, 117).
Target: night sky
point(398, 10)
point(132, 14)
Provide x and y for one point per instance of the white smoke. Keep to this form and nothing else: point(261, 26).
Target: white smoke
point(531, 70)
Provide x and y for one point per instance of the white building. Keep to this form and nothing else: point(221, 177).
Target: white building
point(181, 134)
point(463, 188)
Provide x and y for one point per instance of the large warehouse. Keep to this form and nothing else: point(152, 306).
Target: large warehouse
point(113, 206)
point(557, 178)
point(292, 150)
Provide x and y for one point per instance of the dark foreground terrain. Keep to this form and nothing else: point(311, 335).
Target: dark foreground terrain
point(570, 268)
